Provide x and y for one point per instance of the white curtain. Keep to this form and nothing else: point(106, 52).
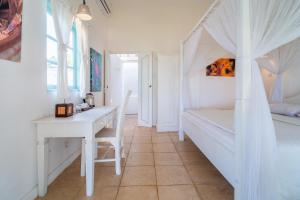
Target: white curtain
point(221, 24)
point(63, 20)
point(273, 24)
point(199, 51)
point(189, 53)
point(82, 34)
point(278, 62)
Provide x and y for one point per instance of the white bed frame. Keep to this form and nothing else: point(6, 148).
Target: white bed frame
point(206, 137)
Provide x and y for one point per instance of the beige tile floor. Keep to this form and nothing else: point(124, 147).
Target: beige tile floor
point(157, 166)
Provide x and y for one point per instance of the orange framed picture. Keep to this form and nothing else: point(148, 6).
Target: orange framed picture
point(222, 67)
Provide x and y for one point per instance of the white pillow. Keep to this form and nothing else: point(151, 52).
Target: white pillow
point(286, 109)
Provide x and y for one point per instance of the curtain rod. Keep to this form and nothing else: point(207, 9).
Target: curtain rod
point(210, 9)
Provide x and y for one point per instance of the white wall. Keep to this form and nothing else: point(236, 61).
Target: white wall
point(123, 76)
point(156, 25)
point(210, 91)
point(153, 26)
point(115, 80)
point(24, 97)
point(130, 82)
point(168, 93)
point(98, 41)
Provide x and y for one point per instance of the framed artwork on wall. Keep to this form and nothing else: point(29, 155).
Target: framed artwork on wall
point(10, 29)
point(96, 65)
point(222, 67)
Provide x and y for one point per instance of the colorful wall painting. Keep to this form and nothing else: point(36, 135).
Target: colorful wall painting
point(96, 62)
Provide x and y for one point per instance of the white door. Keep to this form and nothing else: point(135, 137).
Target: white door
point(145, 90)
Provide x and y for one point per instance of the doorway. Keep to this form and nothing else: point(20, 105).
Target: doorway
point(131, 72)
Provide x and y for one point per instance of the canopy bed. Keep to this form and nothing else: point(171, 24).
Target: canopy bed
point(229, 119)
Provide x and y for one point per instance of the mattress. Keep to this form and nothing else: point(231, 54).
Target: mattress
point(288, 141)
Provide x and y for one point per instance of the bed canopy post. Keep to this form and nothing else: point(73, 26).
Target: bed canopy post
point(243, 81)
point(181, 107)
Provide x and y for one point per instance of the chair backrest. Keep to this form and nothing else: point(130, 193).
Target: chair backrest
point(121, 117)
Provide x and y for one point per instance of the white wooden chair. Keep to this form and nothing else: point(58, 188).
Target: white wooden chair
point(113, 136)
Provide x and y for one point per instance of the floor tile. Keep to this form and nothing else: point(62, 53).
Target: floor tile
point(137, 193)
point(167, 159)
point(140, 159)
point(144, 139)
point(61, 193)
point(128, 139)
point(141, 148)
point(142, 175)
point(142, 133)
point(173, 134)
point(186, 147)
point(128, 132)
point(212, 192)
point(172, 175)
point(177, 192)
point(127, 147)
point(69, 179)
point(109, 153)
point(174, 138)
point(164, 148)
point(161, 139)
point(143, 130)
point(194, 158)
point(100, 193)
point(106, 176)
point(203, 175)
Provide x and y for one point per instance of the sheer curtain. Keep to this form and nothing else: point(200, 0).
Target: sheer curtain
point(221, 24)
point(278, 62)
point(190, 48)
point(82, 32)
point(273, 23)
point(63, 20)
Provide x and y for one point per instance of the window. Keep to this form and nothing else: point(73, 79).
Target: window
point(52, 62)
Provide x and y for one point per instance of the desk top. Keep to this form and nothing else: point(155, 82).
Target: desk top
point(86, 116)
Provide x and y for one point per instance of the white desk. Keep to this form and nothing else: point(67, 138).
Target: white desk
point(82, 125)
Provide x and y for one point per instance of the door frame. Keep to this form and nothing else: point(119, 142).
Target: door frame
point(108, 83)
point(107, 89)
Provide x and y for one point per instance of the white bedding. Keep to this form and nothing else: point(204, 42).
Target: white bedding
point(288, 141)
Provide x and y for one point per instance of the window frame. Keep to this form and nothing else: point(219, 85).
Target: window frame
point(75, 53)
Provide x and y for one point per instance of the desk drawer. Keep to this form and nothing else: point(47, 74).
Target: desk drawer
point(110, 117)
point(98, 125)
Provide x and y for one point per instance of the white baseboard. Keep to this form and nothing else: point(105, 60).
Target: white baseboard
point(141, 123)
point(33, 193)
point(166, 127)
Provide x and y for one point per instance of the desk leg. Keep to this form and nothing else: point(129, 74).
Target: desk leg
point(89, 161)
point(114, 120)
point(82, 167)
point(42, 159)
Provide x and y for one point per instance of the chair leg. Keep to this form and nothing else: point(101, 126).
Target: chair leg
point(118, 159)
point(96, 150)
point(82, 167)
point(123, 153)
